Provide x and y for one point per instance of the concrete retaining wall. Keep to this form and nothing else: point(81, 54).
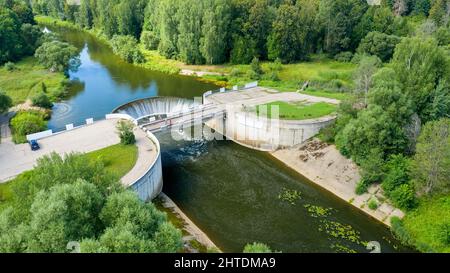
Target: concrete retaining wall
point(150, 184)
point(266, 134)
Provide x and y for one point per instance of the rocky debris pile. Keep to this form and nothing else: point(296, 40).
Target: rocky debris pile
point(312, 149)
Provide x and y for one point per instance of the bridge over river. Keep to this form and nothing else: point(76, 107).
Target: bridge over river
point(231, 113)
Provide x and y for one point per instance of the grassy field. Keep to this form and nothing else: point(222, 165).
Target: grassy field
point(26, 80)
point(118, 159)
point(300, 110)
point(327, 78)
point(429, 225)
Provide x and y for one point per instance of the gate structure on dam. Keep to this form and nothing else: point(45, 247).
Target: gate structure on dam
point(230, 114)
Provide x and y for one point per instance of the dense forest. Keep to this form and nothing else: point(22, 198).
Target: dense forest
point(218, 31)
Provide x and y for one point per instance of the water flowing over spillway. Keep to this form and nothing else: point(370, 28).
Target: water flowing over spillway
point(157, 105)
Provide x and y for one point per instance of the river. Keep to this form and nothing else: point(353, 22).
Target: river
point(232, 193)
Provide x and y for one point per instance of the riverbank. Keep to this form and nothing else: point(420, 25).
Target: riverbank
point(325, 77)
point(326, 167)
point(28, 79)
point(195, 239)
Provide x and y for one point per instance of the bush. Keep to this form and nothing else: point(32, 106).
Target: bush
point(256, 67)
point(257, 248)
point(273, 76)
point(126, 134)
point(362, 187)
point(5, 102)
point(404, 197)
point(235, 73)
point(344, 57)
point(127, 48)
point(400, 232)
point(149, 40)
point(58, 56)
point(253, 75)
point(25, 123)
point(379, 44)
point(396, 173)
point(9, 66)
point(373, 204)
point(41, 100)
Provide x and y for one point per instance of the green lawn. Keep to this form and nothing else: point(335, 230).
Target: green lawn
point(429, 225)
point(300, 110)
point(118, 159)
point(26, 80)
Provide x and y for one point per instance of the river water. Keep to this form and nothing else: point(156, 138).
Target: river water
point(236, 195)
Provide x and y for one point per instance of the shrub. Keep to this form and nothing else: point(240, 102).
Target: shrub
point(362, 187)
point(256, 66)
point(125, 129)
point(9, 66)
point(372, 167)
point(127, 48)
point(379, 44)
point(253, 75)
point(373, 204)
point(400, 231)
point(273, 76)
point(404, 197)
point(345, 57)
point(149, 40)
point(257, 248)
point(396, 173)
point(235, 72)
point(41, 100)
point(5, 102)
point(58, 56)
point(25, 123)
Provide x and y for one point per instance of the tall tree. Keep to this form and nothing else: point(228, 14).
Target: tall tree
point(431, 164)
point(214, 42)
point(338, 19)
point(367, 67)
point(420, 66)
point(168, 28)
point(190, 13)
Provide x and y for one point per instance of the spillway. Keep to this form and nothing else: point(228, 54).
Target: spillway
point(156, 106)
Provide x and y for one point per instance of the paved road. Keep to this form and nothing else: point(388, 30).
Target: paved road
point(15, 159)
point(5, 132)
point(147, 153)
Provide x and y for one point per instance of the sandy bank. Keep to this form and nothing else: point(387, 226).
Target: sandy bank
point(325, 166)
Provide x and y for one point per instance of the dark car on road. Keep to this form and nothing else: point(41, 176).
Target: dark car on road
point(34, 145)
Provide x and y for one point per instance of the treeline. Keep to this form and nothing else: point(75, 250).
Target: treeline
point(19, 35)
point(218, 31)
point(399, 131)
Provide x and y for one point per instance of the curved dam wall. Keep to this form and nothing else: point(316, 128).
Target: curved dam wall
point(265, 134)
point(150, 185)
point(140, 109)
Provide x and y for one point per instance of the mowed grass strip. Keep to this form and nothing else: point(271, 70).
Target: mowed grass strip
point(27, 80)
point(299, 110)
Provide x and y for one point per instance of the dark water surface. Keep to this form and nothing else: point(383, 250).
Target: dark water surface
point(230, 192)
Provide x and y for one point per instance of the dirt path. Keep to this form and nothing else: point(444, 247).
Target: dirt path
point(325, 166)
